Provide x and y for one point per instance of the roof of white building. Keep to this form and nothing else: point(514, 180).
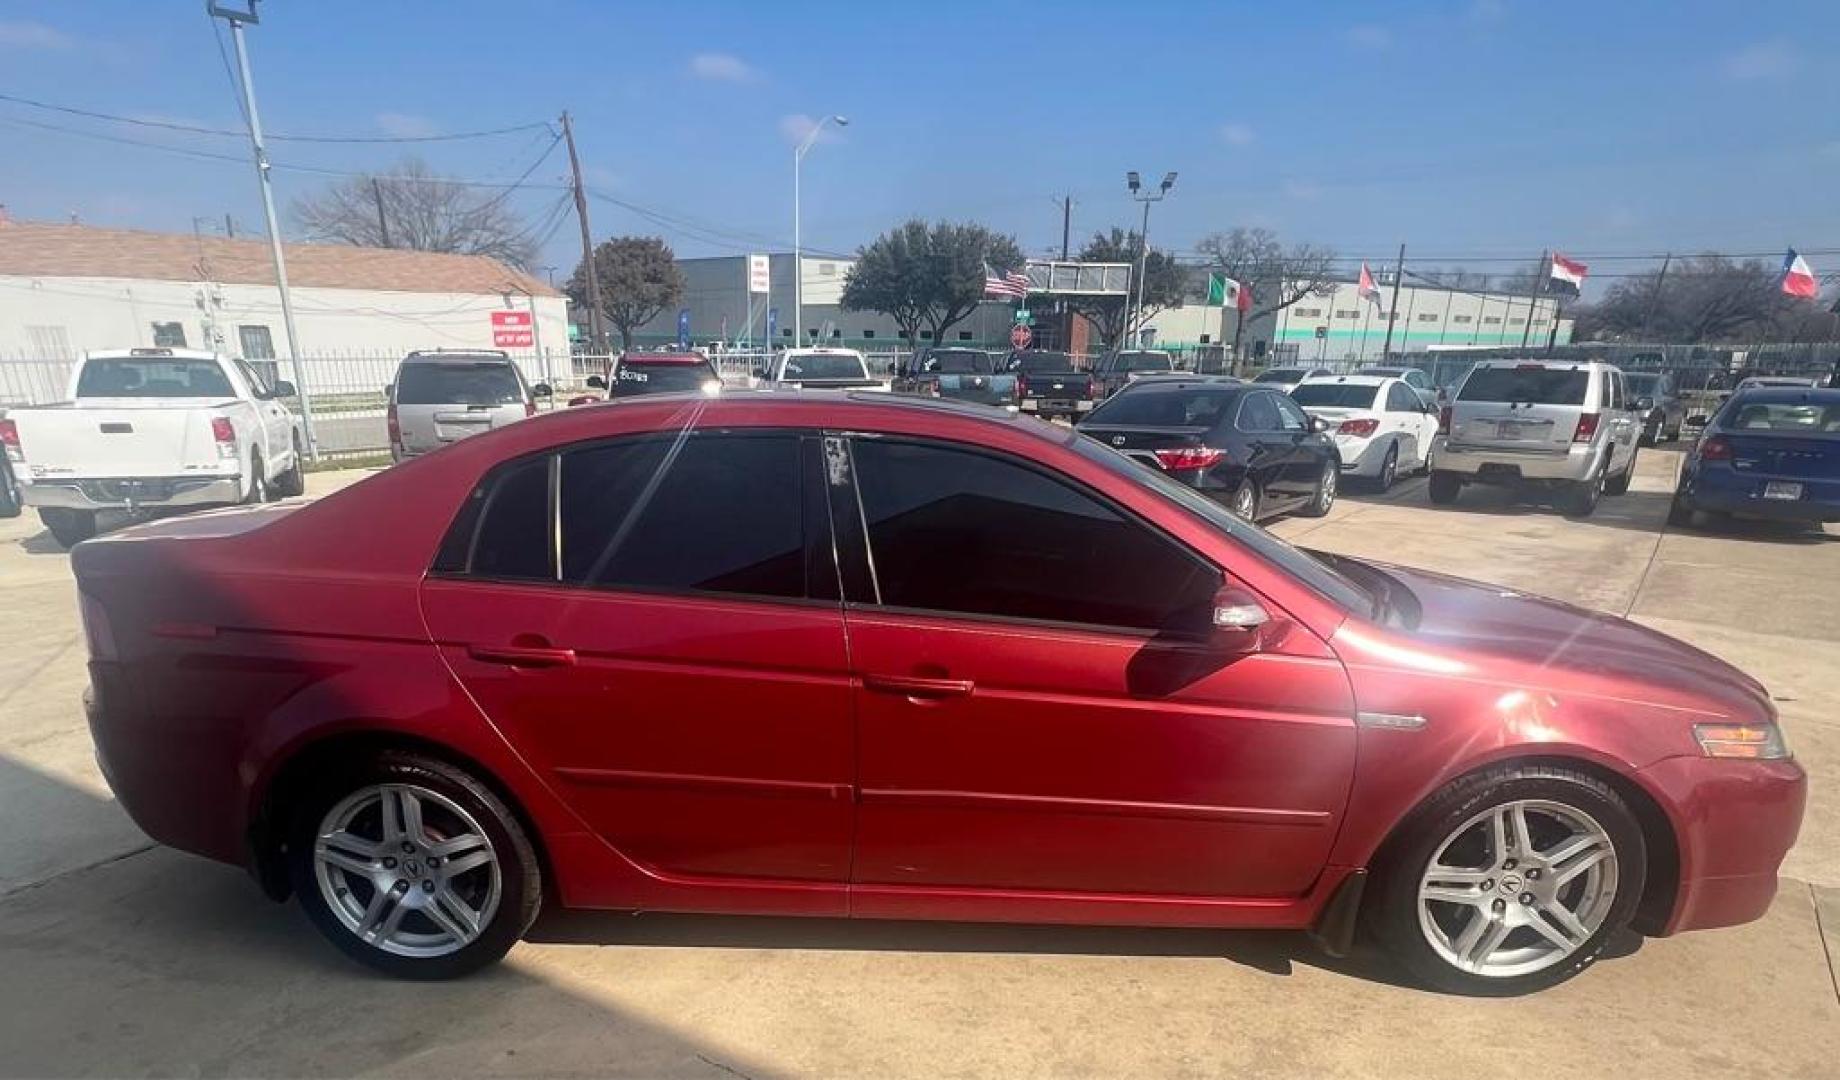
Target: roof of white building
point(35, 249)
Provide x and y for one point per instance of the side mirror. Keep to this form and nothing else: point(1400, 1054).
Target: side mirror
point(1238, 620)
point(595, 382)
point(283, 388)
point(1695, 421)
point(1319, 425)
point(1645, 403)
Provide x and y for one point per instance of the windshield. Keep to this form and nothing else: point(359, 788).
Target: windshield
point(1640, 385)
point(1535, 385)
point(1143, 361)
point(1191, 405)
point(1043, 363)
point(1332, 586)
point(149, 377)
point(959, 362)
point(633, 379)
point(1336, 395)
point(1281, 374)
point(824, 366)
point(490, 382)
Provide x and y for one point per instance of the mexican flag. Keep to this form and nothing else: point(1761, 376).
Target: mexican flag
point(1224, 291)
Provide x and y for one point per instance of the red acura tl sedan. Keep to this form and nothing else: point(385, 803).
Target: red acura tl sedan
point(841, 655)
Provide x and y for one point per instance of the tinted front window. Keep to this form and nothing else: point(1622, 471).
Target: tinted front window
point(1642, 386)
point(1535, 385)
point(1167, 406)
point(152, 377)
point(1336, 395)
point(458, 383)
point(710, 513)
point(958, 363)
point(633, 379)
point(1291, 416)
point(956, 531)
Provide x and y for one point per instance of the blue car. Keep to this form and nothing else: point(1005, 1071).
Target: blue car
point(1767, 453)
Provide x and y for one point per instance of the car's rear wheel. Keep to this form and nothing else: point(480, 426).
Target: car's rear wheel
point(69, 527)
point(1389, 468)
point(1510, 880)
point(1245, 501)
point(1580, 499)
point(1619, 484)
point(1680, 512)
point(10, 502)
point(413, 867)
point(294, 481)
point(1324, 496)
point(257, 492)
point(1444, 487)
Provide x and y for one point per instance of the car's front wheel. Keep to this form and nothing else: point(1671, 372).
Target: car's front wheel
point(413, 867)
point(1510, 880)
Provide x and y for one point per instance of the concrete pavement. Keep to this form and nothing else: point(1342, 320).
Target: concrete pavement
point(119, 958)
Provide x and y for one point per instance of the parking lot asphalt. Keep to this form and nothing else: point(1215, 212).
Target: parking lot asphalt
point(120, 958)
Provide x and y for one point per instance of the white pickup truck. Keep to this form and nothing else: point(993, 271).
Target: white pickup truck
point(149, 430)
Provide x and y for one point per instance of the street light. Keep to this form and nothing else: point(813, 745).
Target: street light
point(1136, 184)
point(798, 269)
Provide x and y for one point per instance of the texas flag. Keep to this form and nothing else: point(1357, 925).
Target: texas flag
point(1565, 275)
point(1367, 290)
point(1798, 277)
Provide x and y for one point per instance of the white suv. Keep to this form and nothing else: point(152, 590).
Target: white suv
point(1381, 426)
point(1568, 427)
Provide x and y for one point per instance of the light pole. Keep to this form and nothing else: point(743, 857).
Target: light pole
point(1135, 183)
point(798, 269)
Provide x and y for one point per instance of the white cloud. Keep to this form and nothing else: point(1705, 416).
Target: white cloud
point(1368, 36)
point(795, 127)
point(32, 35)
point(1487, 11)
point(1763, 60)
point(1237, 134)
point(721, 67)
point(405, 125)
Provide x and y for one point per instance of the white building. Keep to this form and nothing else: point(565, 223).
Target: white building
point(65, 289)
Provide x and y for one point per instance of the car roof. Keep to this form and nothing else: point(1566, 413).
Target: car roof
point(159, 352)
point(1789, 395)
point(1359, 379)
point(664, 358)
point(821, 350)
point(1177, 380)
point(473, 356)
point(1544, 362)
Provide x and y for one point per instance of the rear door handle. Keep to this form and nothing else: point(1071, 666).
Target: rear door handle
point(917, 686)
point(522, 656)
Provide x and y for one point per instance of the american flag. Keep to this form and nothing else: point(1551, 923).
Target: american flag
point(1014, 284)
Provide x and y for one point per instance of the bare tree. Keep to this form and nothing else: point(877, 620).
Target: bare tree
point(1704, 300)
point(1277, 278)
point(406, 206)
point(1163, 286)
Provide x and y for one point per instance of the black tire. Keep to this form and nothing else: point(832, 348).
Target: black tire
point(1680, 513)
point(520, 873)
point(11, 505)
point(1444, 487)
point(1389, 469)
point(69, 527)
point(1580, 499)
point(1651, 434)
point(1392, 914)
point(258, 482)
point(1672, 434)
point(293, 482)
point(1322, 497)
point(1619, 484)
point(1247, 499)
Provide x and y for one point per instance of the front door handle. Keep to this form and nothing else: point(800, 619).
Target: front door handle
point(522, 656)
point(915, 686)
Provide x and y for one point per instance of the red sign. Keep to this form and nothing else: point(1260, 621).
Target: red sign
point(1019, 337)
point(512, 330)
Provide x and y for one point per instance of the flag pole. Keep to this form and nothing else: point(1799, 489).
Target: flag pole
point(1533, 295)
point(1399, 272)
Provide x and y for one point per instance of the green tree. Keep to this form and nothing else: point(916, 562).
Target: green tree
point(639, 279)
point(1163, 286)
point(928, 275)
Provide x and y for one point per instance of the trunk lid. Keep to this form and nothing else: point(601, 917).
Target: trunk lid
point(1786, 456)
point(1141, 443)
point(120, 437)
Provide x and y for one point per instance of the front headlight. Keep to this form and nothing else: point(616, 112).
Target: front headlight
point(1754, 742)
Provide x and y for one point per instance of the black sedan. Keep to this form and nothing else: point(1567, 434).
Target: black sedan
point(1244, 445)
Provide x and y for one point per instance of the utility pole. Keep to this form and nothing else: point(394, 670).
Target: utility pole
point(595, 333)
point(229, 227)
point(383, 223)
point(237, 18)
point(1654, 299)
point(1066, 225)
point(1392, 316)
point(1533, 298)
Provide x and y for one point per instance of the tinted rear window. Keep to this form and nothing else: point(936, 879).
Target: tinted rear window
point(632, 379)
point(1043, 363)
point(1783, 417)
point(824, 367)
point(1336, 395)
point(1641, 384)
point(958, 363)
point(1153, 361)
point(1167, 406)
point(491, 382)
point(1534, 385)
point(152, 377)
point(1281, 374)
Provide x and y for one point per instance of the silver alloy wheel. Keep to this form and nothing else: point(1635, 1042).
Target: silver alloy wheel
point(407, 870)
point(1325, 491)
point(1389, 468)
point(1245, 501)
point(1531, 881)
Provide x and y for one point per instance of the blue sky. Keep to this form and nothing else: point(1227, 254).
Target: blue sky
point(1467, 128)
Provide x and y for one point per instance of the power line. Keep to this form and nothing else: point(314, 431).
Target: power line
point(198, 129)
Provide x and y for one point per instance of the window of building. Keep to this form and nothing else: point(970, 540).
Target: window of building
point(257, 342)
point(926, 335)
point(1347, 313)
point(964, 335)
point(785, 333)
point(1491, 320)
point(934, 516)
point(169, 335)
point(1462, 318)
point(836, 335)
point(903, 335)
point(868, 335)
point(1427, 316)
point(1308, 312)
point(827, 269)
point(725, 517)
point(1205, 338)
point(1516, 322)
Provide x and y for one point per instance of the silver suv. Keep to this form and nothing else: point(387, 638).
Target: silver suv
point(1568, 427)
point(442, 397)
